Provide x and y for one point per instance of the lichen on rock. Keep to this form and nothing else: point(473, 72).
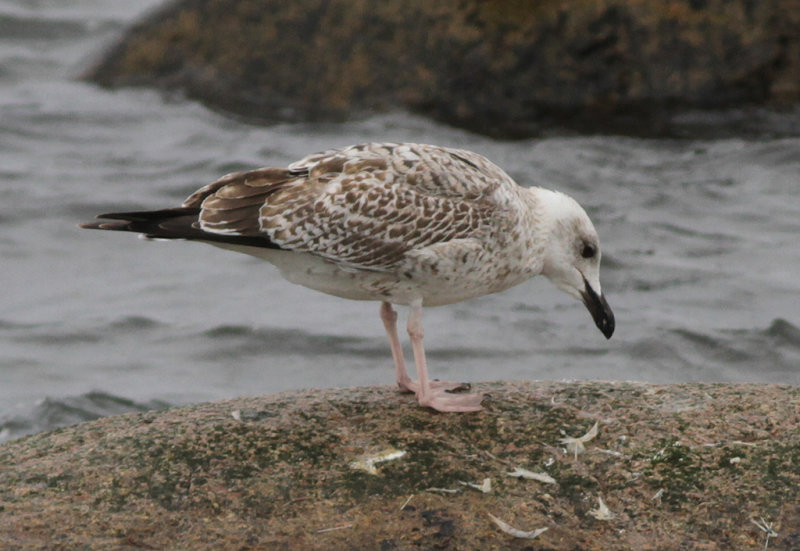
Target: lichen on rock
point(278, 473)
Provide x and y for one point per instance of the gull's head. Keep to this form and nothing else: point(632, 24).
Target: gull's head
point(572, 255)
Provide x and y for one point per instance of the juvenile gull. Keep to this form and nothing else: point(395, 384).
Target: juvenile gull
point(410, 224)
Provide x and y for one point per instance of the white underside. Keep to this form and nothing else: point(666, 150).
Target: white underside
point(333, 279)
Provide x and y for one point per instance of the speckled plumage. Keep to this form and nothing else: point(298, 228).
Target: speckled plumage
point(410, 224)
point(407, 219)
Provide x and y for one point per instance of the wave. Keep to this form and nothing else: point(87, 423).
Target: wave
point(30, 28)
point(783, 333)
point(61, 333)
point(52, 413)
point(236, 341)
point(757, 354)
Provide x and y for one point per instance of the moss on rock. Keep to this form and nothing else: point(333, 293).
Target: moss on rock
point(680, 467)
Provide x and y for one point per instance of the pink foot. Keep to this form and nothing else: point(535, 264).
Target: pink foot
point(444, 401)
point(439, 395)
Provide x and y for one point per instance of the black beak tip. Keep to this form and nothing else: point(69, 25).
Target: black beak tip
point(607, 325)
point(601, 312)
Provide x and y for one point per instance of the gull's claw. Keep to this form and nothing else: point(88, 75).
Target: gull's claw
point(447, 386)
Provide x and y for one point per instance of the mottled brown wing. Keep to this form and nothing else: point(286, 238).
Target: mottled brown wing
point(366, 206)
point(430, 169)
point(231, 204)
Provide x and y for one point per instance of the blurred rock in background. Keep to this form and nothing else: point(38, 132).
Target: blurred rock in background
point(509, 68)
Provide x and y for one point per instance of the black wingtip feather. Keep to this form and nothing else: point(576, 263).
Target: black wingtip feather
point(175, 223)
point(151, 215)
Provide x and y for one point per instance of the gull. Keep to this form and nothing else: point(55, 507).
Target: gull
point(399, 223)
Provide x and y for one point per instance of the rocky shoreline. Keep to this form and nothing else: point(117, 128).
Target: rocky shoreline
point(690, 466)
point(503, 68)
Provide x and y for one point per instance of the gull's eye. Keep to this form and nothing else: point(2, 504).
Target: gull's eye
point(588, 251)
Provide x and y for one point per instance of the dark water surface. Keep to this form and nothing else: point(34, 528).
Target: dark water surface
point(701, 251)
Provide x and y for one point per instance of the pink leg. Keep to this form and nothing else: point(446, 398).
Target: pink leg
point(435, 397)
point(389, 318)
point(406, 384)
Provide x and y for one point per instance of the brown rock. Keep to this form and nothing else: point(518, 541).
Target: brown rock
point(505, 67)
point(680, 467)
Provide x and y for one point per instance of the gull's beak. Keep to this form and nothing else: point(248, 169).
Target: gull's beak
point(601, 312)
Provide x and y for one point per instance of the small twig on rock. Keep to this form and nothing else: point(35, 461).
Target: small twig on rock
point(334, 528)
point(530, 475)
point(407, 501)
point(485, 486)
point(510, 530)
point(368, 463)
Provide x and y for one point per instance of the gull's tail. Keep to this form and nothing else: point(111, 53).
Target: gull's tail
point(175, 223)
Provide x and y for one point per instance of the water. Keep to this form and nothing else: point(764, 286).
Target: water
point(700, 260)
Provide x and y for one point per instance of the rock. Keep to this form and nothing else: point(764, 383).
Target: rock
point(679, 467)
point(506, 68)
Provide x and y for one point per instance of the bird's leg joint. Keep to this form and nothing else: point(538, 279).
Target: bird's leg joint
point(415, 331)
point(388, 314)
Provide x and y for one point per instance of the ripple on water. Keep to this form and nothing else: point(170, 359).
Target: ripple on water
point(738, 354)
point(51, 413)
point(783, 333)
point(134, 323)
point(227, 342)
point(236, 341)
